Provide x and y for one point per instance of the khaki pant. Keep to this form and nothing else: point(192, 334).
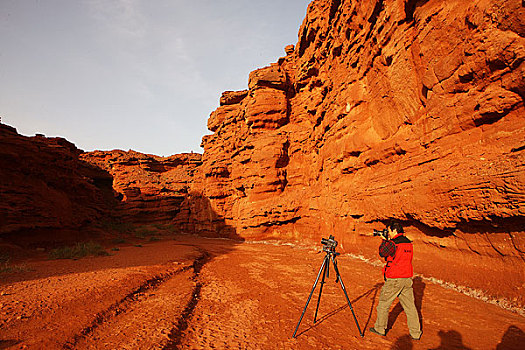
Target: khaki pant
point(402, 289)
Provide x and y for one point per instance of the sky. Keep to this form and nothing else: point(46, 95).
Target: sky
point(133, 74)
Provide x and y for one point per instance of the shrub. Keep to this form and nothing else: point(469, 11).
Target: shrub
point(7, 267)
point(77, 251)
point(143, 232)
point(169, 228)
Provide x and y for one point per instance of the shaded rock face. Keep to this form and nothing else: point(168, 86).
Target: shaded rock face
point(51, 192)
point(150, 188)
point(46, 190)
point(408, 110)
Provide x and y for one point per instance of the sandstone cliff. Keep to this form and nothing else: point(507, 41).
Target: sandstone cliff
point(51, 191)
point(46, 192)
point(150, 188)
point(385, 109)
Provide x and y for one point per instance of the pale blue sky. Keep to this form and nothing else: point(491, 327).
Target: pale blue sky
point(133, 74)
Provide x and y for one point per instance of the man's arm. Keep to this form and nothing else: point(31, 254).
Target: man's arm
point(387, 248)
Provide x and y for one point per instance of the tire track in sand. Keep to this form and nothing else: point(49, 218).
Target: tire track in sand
point(176, 334)
point(144, 317)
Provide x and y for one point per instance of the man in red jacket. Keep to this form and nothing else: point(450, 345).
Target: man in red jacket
point(397, 273)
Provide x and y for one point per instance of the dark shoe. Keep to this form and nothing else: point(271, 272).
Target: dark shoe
point(373, 330)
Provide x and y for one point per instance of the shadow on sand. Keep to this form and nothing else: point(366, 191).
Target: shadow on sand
point(371, 292)
point(194, 220)
point(404, 342)
point(513, 339)
point(450, 340)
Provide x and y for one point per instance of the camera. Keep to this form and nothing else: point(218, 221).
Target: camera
point(383, 233)
point(329, 244)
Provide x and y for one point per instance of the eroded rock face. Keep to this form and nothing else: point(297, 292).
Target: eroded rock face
point(408, 110)
point(51, 191)
point(45, 188)
point(150, 188)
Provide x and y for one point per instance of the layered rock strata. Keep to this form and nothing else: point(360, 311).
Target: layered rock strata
point(51, 191)
point(46, 192)
point(150, 188)
point(385, 109)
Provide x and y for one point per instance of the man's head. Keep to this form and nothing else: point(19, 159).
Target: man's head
point(395, 228)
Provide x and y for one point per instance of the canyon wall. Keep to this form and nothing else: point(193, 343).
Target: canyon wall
point(385, 109)
point(150, 189)
point(160, 190)
point(47, 193)
point(52, 193)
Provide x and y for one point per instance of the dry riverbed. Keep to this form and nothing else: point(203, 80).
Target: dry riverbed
point(198, 293)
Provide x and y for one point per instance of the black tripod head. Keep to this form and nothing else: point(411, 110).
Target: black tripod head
point(329, 244)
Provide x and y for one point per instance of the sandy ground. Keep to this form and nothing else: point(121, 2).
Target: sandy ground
point(196, 293)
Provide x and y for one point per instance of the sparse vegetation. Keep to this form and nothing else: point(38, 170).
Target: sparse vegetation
point(168, 228)
point(159, 226)
point(7, 267)
point(78, 251)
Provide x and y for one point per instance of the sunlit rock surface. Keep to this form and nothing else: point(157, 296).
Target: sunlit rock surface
point(410, 110)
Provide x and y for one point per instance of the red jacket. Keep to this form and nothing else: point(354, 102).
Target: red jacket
point(400, 265)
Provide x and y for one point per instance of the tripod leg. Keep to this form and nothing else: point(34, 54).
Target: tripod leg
point(326, 259)
point(325, 273)
point(346, 295)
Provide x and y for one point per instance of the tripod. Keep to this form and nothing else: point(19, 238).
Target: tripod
point(330, 256)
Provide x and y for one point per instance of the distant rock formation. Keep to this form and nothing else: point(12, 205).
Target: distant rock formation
point(150, 188)
point(50, 191)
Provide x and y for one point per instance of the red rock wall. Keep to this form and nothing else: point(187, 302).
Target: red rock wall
point(50, 191)
point(153, 190)
point(385, 109)
point(46, 192)
point(150, 188)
